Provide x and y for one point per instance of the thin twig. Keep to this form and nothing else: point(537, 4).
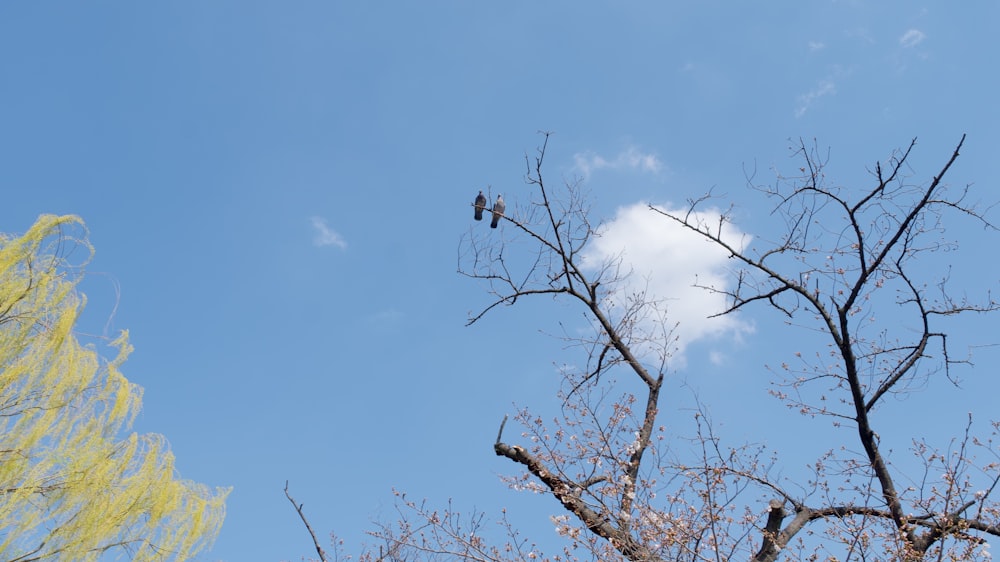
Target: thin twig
point(298, 508)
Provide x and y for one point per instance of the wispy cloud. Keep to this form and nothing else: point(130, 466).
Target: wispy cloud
point(325, 236)
point(911, 38)
point(825, 87)
point(666, 261)
point(862, 34)
point(386, 318)
point(629, 159)
point(816, 46)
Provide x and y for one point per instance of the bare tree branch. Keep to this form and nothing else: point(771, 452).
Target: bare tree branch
point(302, 515)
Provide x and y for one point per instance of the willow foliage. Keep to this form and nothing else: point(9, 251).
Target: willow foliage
point(75, 483)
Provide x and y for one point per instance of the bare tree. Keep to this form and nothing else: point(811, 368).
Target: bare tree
point(846, 253)
point(624, 494)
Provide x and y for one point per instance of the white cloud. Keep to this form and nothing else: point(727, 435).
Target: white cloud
point(629, 159)
point(666, 260)
point(325, 236)
point(862, 34)
point(825, 87)
point(387, 318)
point(912, 38)
point(717, 358)
point(816, 46)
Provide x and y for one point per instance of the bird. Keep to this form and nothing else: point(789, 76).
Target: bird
point(480, 205)
point(498, 208)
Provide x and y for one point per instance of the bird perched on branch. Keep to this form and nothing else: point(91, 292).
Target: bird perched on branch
point(480, 205)
point(498, 208)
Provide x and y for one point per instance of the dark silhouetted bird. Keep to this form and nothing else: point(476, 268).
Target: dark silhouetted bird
point(498, 208)
point(480, 205)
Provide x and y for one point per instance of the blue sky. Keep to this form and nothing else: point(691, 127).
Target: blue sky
point(276, 192)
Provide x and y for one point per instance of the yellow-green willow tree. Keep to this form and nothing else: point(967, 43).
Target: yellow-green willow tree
point(75, 483)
